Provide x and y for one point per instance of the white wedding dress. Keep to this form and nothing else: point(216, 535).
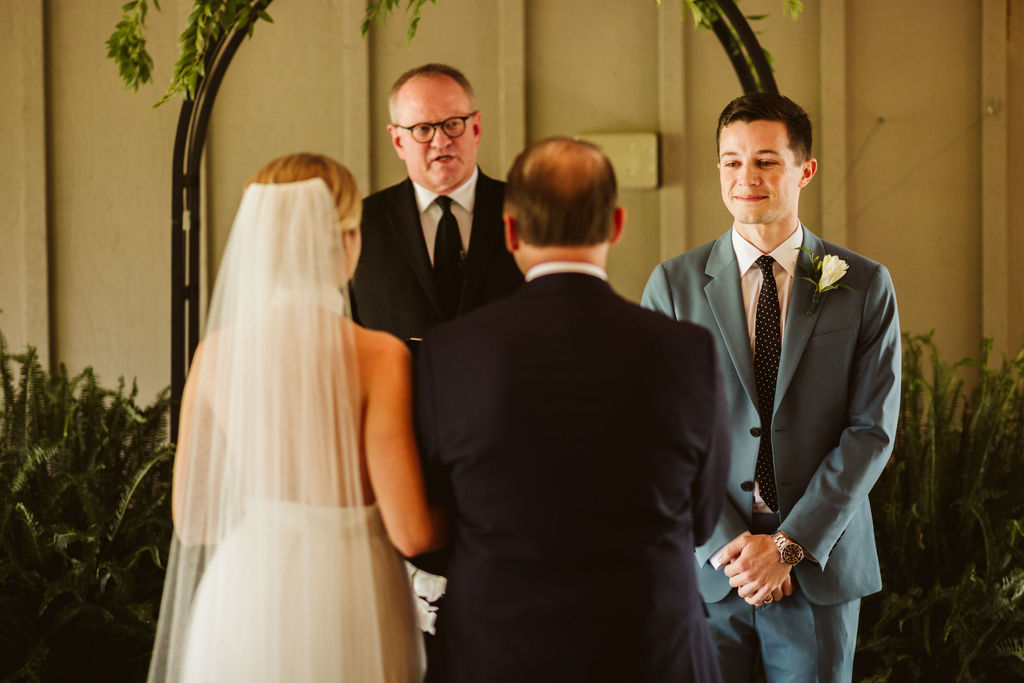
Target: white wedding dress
point(280, 570)
point(250, 610)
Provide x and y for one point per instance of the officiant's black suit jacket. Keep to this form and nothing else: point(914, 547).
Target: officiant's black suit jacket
point(580, 442)
point(394, 287)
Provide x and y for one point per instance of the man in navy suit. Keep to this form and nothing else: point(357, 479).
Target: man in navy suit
point(432, 244)
point(813, 383)
point(580, 443)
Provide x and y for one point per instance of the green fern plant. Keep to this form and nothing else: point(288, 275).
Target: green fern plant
point(85, 478)
point(949, 521)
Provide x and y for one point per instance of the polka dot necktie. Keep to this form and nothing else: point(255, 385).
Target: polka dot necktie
point(448, 260)
point(767, 349)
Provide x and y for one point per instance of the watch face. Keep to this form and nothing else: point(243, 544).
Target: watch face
point(792, 553)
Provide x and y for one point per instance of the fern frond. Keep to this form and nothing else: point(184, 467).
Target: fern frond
point(129, 491)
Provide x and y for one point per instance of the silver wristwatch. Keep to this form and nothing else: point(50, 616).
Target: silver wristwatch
point(789, 552)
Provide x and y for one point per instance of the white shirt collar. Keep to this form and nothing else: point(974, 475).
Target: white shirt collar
point(464, 195)
point(553, 267)
point(785, 254)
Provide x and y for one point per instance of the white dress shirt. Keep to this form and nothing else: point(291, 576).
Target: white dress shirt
point(463, 200)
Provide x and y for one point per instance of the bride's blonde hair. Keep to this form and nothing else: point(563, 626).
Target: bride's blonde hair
point(292, 168)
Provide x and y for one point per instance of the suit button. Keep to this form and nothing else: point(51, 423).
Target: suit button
point(755, 431)
point(747, 486)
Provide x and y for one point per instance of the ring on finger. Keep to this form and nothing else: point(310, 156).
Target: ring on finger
point(767, 601)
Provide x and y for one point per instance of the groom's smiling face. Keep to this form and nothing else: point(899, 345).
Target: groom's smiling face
point(760, 176)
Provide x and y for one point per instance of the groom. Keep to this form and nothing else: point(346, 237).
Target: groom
point(813, 385)
point(581, 445)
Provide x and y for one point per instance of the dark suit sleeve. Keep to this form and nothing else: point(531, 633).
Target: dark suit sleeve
point(708, 492)
point(434, 475)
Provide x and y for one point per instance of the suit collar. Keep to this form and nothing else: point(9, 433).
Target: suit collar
point(486, 238)
point(726, 301)
point(799, 324)
point(404, 217)
point(566, 282)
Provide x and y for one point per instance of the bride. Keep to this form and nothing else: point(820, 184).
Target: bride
point(296, 475)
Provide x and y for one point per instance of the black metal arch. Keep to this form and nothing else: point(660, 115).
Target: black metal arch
point(190, 139)
point(758, 65)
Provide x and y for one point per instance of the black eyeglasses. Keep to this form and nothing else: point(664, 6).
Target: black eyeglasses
point(453, 127)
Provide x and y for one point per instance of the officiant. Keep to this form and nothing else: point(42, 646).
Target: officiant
point(432, 244)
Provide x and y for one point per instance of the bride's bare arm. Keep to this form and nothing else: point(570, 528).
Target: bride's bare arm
point(186, 501)
point(392, 458)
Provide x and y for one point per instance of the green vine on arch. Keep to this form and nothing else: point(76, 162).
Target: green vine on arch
point(206, 23)
point(209, 20)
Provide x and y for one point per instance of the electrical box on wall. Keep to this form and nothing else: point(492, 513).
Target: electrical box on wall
point(634, 157)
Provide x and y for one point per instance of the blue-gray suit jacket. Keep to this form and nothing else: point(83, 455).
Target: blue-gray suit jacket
point(836, 406)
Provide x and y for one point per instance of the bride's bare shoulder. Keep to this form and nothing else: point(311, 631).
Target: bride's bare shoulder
point(379, 352)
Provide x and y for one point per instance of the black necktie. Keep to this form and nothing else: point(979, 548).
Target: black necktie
point(448, 260)
point(767, 349)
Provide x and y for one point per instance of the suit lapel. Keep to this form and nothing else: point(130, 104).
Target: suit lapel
point(799, 325)
point(404, 217)
point(485, 238)
point(726, 300)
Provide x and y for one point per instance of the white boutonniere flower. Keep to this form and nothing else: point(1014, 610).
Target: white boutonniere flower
point(825, 274)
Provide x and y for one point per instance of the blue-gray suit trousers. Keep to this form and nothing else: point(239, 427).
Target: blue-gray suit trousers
point(741, 631)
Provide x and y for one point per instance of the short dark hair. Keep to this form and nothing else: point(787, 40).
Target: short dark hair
point(562, 192)
point(433, 70)
point(769, 106)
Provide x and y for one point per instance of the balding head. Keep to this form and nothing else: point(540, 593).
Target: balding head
point(562, 192)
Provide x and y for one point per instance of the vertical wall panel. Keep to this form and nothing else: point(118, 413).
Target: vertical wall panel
point(914, 172)
point(672, 130)
point(832, 138)
point(24, 268)
point(994, 218)
point(109, 185)
point(1014, 20)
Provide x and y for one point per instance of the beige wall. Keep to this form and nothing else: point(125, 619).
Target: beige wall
point(912, 111)
point(24, 277)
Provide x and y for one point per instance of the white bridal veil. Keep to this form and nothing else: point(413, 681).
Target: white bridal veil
point(279, 570)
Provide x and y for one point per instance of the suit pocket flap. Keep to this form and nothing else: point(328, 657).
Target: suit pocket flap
point(830, 338)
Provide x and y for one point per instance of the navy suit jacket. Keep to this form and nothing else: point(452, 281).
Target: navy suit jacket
point(393, 289)
point(836, 406)
point(580, 443)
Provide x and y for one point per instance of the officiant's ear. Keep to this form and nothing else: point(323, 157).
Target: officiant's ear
point(618, 224)
point(511, 234)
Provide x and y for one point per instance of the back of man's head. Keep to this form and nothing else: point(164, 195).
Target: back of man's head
point(561, 192)
point(769, 106)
